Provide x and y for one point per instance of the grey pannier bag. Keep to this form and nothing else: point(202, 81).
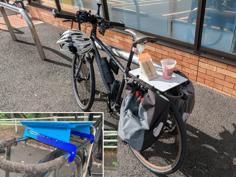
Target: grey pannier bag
point(183, 97)
point(139, 116)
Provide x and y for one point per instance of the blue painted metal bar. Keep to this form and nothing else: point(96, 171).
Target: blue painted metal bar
point(57, 134)
point(68, 147)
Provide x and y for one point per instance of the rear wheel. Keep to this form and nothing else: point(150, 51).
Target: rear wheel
point(167, 154)
point(84, 80)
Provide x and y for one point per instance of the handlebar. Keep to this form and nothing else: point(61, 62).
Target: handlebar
point(65, 15)
point(83, 16)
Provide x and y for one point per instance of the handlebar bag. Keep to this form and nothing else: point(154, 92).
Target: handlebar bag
point(139, 116)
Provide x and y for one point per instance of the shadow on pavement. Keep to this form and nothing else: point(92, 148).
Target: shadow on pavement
point(54, 51)
point(16, 31)
point(208, 156)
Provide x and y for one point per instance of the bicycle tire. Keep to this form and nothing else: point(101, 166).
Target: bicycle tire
point(53, 155)
point(158, 170)
point(89, 86)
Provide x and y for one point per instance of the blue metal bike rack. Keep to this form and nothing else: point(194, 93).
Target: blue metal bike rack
point(57, 134)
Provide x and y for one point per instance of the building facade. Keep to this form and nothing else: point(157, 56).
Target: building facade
point(199, 34)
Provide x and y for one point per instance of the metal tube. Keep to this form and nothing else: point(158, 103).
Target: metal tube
point(8, 24)
point(29, 23)
point(90, 148)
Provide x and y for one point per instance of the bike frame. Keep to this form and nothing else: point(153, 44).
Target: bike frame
point(124, 69)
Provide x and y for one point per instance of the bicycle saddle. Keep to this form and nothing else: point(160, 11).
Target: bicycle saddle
point(140, 37)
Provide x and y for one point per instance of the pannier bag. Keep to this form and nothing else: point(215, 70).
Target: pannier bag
point(140, 117)
point(183, 97)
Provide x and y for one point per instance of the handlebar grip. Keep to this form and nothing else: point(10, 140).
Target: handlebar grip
point(64, 15)
point(117, 24)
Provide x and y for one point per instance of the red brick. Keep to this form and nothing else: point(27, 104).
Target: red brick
point(178, 57)
point(179, 52)
point(150, 48)
point(209, 83)
point(203, 60)
point(232, 68)
point(218, 64)
point(200, 80)
point(186, 69)
point(230, 79)
point(187, 65)
point(178, 67)
point(194, 67)
point(224, 83)
point(206, 77)
point(203, 65)
point(191, 60)
point(207, 66)
point(163, 52)
point(215, 74)
point(218, 86)
point(226, 72)
point(202, 70)
point(192, 77)
point(228, 90)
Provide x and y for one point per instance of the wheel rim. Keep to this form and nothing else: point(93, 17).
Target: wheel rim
point(82, 81)
point(163, 156)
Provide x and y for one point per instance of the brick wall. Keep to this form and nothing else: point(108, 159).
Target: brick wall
point(215, 75)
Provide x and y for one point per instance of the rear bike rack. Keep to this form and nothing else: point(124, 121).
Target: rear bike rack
point(55, 134)
point(29, 22)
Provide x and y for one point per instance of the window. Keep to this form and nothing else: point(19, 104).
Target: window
point(219, 30)
point(174, 19)
point(46, 3)
point(71, 5)
point(74, 5)
point(170, 18)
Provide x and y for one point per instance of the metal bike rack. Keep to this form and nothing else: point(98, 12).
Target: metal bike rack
point(29, 22)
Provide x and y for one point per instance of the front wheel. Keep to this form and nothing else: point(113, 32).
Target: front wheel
point(84, 80)
point(167, 154)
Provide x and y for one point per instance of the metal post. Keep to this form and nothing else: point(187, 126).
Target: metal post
point(8, 24)
point(8, 157)
point(29, 23)
point(199, 26)
point(34, 33)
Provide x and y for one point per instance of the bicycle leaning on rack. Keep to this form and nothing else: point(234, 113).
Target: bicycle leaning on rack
point(166, 151)
point(73, 156)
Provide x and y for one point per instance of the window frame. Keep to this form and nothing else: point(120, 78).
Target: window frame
point(195, 48)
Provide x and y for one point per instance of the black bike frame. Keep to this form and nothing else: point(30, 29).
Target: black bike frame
point(125, 70)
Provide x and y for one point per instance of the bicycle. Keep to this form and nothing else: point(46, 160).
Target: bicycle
point(83, 76)
point(73, 159)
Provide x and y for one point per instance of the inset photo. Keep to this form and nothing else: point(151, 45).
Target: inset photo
point(51, 144)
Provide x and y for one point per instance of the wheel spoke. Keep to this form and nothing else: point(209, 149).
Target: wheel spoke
point(83, 82)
